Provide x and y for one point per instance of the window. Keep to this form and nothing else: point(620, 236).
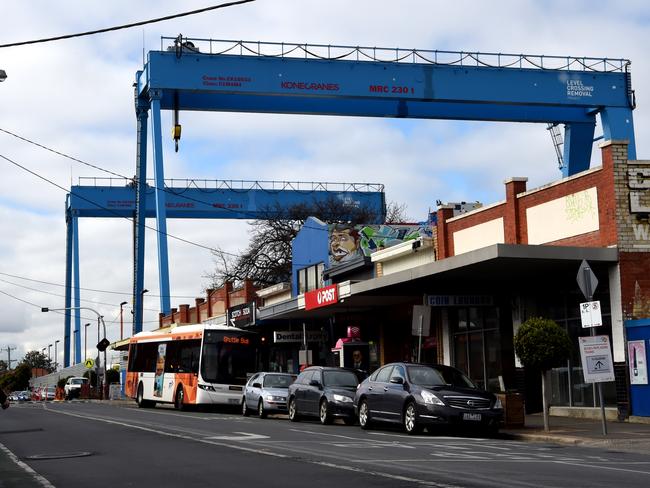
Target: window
point(310, 278)
point(477, 344)
point(142, 357)
point(384, 374)
point(183, 356)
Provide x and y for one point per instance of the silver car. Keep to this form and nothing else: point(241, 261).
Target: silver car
point(266, 393)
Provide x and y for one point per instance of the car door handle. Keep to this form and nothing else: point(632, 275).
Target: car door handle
point(370, 388)
point(385, 388)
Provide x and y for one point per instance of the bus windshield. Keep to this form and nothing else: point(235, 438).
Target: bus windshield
point(227, 357)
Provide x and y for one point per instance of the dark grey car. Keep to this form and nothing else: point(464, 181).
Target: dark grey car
point(266, 393)
point(324, 392)
point(419, 395)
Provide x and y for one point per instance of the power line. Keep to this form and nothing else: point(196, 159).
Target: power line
point(88, 289)
point(126, 26)
point(108, 209)
point(170, 191)
point(63, 296)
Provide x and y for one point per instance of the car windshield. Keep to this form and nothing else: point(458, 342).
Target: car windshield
point(425, 376)
point(340, 378)
point(277, 380)
point(78, 381)
point(455, 377)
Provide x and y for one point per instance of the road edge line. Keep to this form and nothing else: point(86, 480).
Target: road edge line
point(37, 477)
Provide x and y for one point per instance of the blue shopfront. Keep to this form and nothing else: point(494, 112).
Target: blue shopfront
point(638, 343)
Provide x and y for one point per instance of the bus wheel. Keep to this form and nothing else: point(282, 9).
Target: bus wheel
point(139, 399)
point(180, 397)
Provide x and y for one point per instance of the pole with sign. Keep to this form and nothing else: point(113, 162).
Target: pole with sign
point(591, 317)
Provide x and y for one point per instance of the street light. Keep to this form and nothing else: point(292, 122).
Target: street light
point(122, 320)
point(100, 318)
point(86, 341)
point(49, 348)
point(56, 356)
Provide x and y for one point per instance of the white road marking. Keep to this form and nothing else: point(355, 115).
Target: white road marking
point(263, 452)
point(37, 477)
point(243, 436)
point(583, 465)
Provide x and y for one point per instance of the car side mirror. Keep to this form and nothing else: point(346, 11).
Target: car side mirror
point(315, 383)
point(257, 385)
point(398, 380)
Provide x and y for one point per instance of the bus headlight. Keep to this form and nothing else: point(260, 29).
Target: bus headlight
point(206, 387)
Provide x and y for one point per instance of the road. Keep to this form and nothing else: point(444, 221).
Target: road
point(95, 444)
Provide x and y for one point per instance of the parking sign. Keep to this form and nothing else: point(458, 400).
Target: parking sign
point(596, 355)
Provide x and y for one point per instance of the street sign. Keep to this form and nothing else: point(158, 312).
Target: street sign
point(587, 280)
point(590, 314)
point(89, 363)
point(596, 355)
point(420, 325)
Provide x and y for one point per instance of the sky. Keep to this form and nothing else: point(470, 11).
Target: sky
point(76, 96)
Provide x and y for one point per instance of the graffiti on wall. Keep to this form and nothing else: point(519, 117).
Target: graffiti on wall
point(348, 242)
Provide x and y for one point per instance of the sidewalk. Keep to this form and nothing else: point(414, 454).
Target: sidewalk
point(622, 436)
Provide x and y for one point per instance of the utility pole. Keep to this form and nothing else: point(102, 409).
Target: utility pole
point(9, 360)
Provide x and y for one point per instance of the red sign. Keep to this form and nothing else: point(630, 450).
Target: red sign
point(321, 297)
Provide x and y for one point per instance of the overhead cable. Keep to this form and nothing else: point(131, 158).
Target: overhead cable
point(126, 26)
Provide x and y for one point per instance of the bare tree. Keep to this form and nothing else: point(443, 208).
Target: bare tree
point(267, 259)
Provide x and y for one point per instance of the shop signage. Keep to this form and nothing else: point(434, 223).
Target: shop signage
point(590, 314)
point(636, 353)
point(296, 336)
point(596, 356)
point(459, 300)
point(242, 315)
point(321, 297)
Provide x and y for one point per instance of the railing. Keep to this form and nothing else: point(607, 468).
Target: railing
point(240, 185)
point(213, 47)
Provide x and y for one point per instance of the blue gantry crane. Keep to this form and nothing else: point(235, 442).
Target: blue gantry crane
point(285, 78)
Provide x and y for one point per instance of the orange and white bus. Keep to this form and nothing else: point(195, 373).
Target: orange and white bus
point(190, 365)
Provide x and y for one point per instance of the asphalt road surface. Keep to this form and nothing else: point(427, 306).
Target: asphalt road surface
point(93, 445)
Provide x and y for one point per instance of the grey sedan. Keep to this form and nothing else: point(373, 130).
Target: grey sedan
point(266, 393)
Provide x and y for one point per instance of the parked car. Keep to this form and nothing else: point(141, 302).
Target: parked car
point(24, 396)
point(266, 393)
point(13, 396)
point(324, 392)
point(73, 385)
point(419, 395)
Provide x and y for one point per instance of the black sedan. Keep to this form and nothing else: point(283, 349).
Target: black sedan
point(324, 392)
point(418, 395)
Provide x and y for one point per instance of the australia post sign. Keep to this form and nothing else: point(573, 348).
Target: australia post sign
point(321, 297)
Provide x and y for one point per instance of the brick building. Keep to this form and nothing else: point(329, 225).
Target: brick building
point(484, 272)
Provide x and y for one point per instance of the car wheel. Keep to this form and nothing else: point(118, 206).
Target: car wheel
point(323, 413)
point(261, 413)
point(364, 415)
point(180, 399)
point(293, 413)
point(244, 408)
point(410, 420)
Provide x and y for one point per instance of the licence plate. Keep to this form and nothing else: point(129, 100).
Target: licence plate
point(472, 416)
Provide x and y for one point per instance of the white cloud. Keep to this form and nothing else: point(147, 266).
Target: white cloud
point(76, 96)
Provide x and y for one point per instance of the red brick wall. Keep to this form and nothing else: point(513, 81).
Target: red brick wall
point(513, 211)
